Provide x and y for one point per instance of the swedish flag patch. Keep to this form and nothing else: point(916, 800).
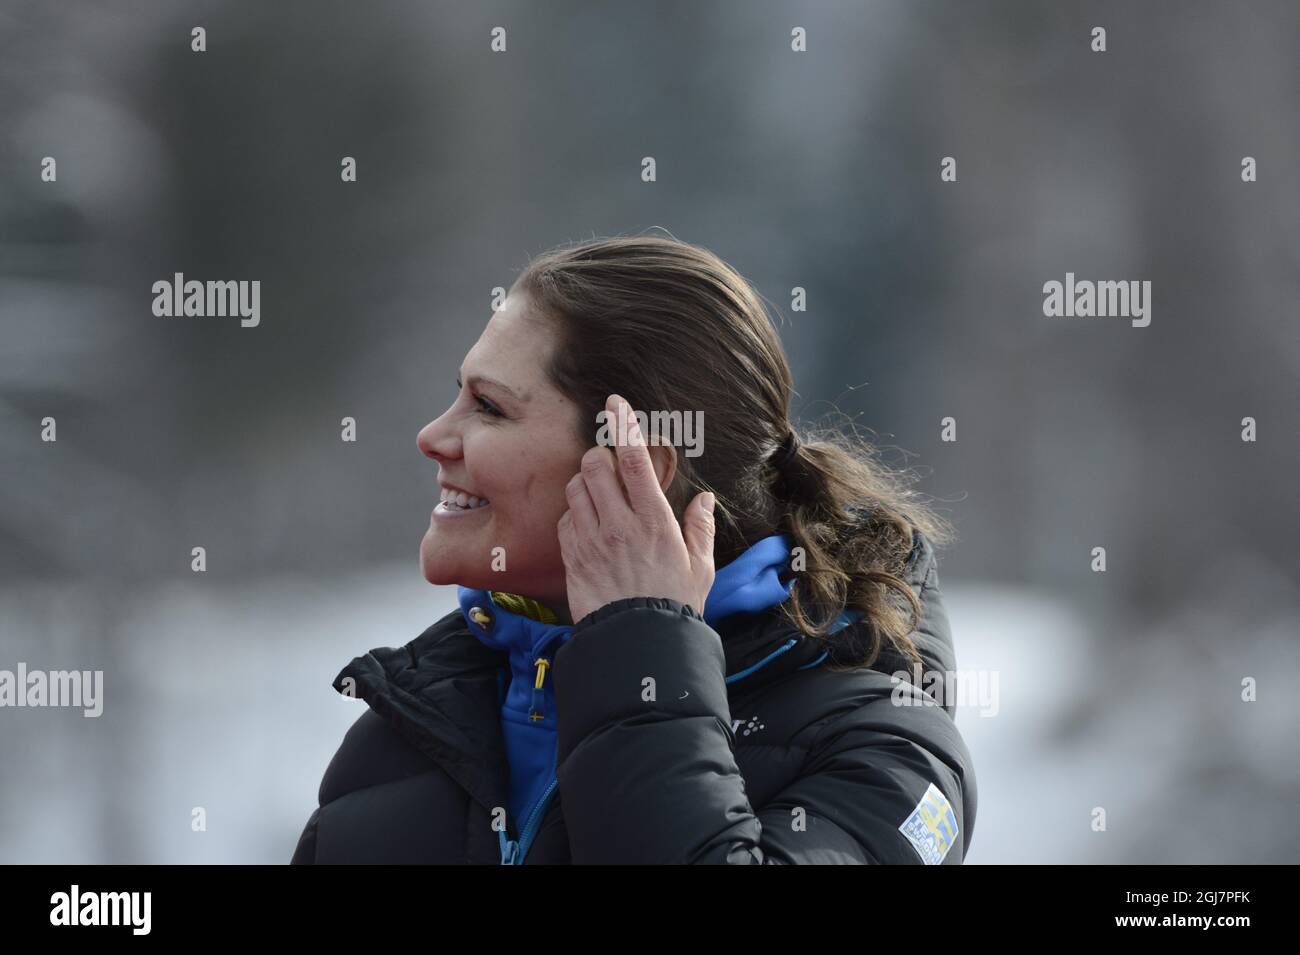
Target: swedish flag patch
point(932, 826)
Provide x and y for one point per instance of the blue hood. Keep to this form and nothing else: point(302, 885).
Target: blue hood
point(750, 583)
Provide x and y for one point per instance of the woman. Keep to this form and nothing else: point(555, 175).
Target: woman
point(661, 655)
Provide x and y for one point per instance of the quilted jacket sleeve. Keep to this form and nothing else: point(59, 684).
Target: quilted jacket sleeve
point(305, 853)
point(655, 780)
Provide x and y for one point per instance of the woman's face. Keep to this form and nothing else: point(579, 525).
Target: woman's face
point(508, 440)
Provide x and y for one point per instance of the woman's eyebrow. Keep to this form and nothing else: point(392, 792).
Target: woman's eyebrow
point(484, 380)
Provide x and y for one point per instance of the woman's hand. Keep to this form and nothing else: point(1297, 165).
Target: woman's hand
point(618, 545)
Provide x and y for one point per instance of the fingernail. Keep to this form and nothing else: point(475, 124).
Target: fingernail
point(709, 501)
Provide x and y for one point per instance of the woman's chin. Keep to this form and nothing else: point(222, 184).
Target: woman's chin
point(448, 570)
point(439, 568)
point(441, 576)
point(435, 575)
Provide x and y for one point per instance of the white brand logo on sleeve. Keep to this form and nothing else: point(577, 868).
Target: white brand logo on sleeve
point(932, 826)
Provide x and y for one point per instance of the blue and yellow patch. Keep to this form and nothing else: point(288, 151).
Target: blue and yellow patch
point(932, 826)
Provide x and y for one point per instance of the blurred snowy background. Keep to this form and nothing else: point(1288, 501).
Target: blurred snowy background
point(1119, 690)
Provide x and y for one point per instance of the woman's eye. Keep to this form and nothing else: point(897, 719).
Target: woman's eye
point(484, 405)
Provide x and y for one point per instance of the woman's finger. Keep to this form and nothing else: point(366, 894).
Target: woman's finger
point(601, 478)
point(634, 464)
point(581, 508)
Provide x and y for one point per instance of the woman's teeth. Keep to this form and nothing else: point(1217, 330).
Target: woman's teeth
point(458, 499)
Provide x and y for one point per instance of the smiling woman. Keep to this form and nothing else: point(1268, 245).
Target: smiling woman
point(508, 439)
point(623, 611)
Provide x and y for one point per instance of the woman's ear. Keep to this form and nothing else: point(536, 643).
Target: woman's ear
point(664, 458)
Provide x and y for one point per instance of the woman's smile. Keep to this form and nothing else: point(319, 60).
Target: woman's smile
point(457, 503)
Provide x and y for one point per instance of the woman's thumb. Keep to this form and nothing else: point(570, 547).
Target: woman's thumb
point(699, 533)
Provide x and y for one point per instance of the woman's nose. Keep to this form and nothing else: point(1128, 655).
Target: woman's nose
point(438, 440)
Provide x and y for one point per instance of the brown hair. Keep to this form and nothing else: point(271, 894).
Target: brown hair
point(669, 325)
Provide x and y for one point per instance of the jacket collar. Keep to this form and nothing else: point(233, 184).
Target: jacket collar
point(751, 583)
point(441, 690)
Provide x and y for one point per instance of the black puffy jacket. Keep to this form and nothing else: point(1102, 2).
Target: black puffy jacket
point(788, 764)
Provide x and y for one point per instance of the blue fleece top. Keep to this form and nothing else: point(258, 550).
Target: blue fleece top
point(750, 583)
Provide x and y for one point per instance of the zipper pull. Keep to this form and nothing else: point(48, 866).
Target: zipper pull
point(510, 852)
point(537, 711)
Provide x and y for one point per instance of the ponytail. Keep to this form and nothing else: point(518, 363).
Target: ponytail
point(852, 520)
